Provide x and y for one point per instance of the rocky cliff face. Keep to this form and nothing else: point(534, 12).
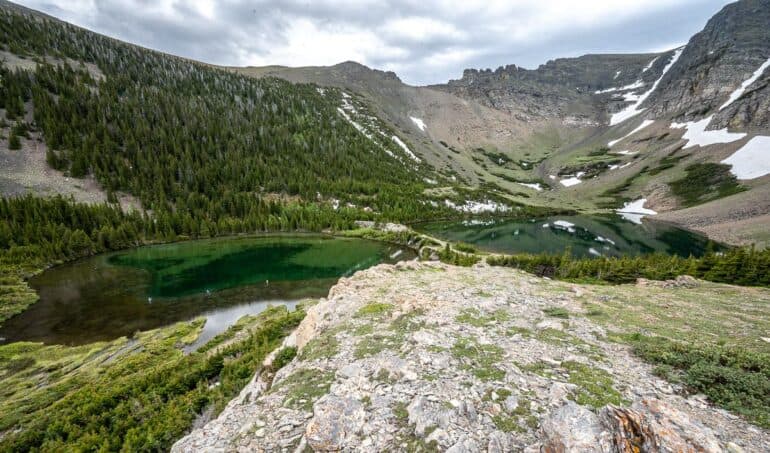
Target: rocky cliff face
point(424, 356)
point(562, 88)
point(715, 62)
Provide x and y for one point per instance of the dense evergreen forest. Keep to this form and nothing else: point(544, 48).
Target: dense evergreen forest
point(740, 266)
point(185, 136)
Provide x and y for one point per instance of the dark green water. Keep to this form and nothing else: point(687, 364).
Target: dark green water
point(108, 296)
point(586, 235)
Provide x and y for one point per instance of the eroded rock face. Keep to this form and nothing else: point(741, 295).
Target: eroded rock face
point(574, 428)
point(421, 356)
point(652, 426)
point(335, 424)
point(649, 425)
point(734, 43)
point(563, 88)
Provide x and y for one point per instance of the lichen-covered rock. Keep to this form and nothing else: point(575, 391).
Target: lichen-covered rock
point(652, 425)
point(574, 428)
point(424, 356)
point(649, 425)
point(336, 422)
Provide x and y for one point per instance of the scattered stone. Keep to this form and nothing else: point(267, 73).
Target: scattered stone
point(511, 403)
point(574, 428)
point(335, 423)
point(415, 377)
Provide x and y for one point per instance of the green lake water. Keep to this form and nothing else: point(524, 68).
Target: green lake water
point(117, 294)
point(597, 235)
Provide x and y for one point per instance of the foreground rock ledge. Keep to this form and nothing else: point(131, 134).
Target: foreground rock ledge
point(424, 356)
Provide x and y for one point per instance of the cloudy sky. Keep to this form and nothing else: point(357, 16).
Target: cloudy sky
point(424, 41)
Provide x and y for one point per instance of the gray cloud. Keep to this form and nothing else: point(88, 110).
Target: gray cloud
point(429, 41)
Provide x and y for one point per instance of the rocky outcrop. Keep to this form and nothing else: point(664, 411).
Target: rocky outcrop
point(648, 426)
point(734, 44)
point(564, 88)
point(423, 356)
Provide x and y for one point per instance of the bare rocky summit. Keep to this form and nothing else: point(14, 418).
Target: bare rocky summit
point(564, 88)
point(425, 356)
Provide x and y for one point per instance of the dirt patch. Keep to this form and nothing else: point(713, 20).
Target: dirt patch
point(26, 171)
point(28, 64)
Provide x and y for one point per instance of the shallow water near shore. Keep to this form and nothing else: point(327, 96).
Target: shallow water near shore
point(112, 295)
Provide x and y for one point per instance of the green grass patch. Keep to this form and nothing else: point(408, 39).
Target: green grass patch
point(480, 359)
point(284, 356)
point(594, 385)
point(476, 318)
point(733, 378)
point(15, 293)
point(324, 346)
point(507, 424)
point(374, 344)
point(464, 247)
point(557, 312)
point(374, 310)
point(304, 387)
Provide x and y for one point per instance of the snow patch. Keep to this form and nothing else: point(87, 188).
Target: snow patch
point(594, 252)
point(348, 111)
point(617, 74)
point(572, 181)
point(405, 148)
point(619, 167)
point(535, 186)
point(358, 127)
point(477, 207)
point(649, 65)
point(638, 84)
point(634, 211)
point(746, 83)
point(633, 109)
point(564, 225)
point(478, 222)
point(419, 123)
point(601, 239)
point(697, 135)
point(569, 182)
point(644, 124)
point(752, 160)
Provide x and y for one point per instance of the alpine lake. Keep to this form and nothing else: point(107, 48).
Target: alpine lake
point(117, 294)
point(584, 235)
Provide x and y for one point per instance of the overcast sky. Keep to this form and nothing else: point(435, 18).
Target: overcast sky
point(424, 41)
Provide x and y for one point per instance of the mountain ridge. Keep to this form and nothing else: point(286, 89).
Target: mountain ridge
point(558, 117)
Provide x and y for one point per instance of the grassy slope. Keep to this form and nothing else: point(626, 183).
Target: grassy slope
point(136, 394)
point(710, 338)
